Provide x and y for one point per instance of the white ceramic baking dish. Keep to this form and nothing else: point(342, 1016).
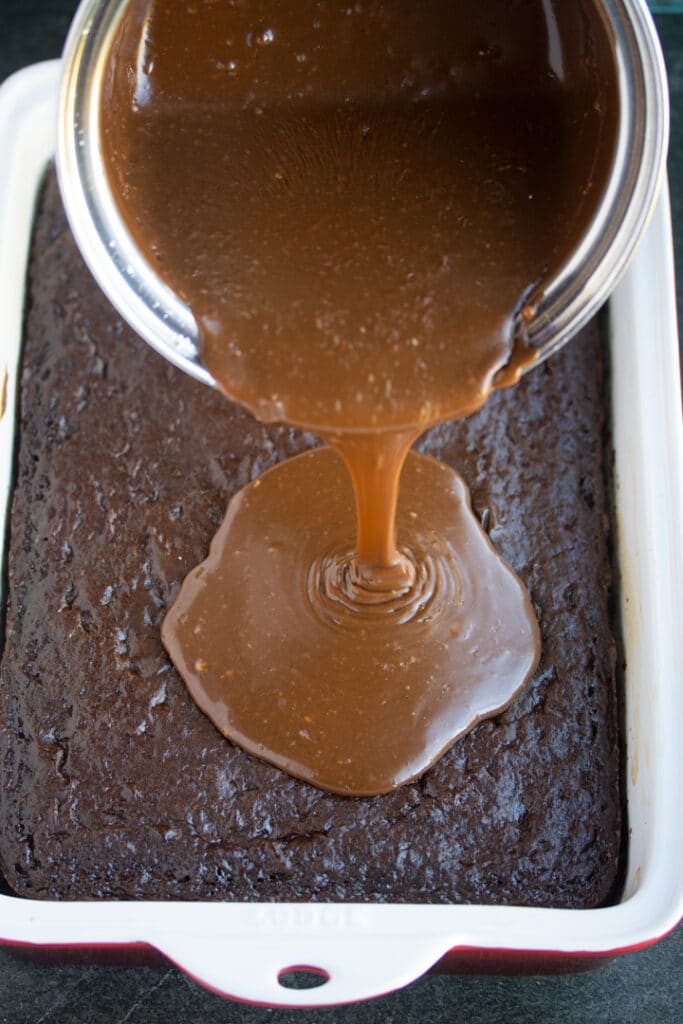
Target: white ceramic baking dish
point(241, 949)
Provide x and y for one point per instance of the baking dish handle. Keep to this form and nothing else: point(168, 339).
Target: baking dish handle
point(343, 965)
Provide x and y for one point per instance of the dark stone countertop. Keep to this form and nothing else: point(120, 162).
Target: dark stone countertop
point(644, 986)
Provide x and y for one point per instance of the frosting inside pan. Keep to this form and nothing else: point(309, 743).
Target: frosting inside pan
point(361, 205)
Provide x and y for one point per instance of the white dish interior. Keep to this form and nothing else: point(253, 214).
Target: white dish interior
point(239, 949)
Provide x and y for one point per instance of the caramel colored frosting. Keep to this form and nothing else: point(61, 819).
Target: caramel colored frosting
point(361, 204)
point(356, 696)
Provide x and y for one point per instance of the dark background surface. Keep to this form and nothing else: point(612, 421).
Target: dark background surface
point(645, 986)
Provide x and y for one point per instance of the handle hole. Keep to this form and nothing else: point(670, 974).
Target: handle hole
point(302, 976)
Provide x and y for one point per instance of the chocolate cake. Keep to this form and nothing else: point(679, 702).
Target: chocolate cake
point(115, 785)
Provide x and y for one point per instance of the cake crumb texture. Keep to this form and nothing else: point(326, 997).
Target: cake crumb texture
point(114, 784)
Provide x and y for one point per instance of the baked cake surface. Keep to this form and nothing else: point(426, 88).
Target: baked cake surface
point(114, 784)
